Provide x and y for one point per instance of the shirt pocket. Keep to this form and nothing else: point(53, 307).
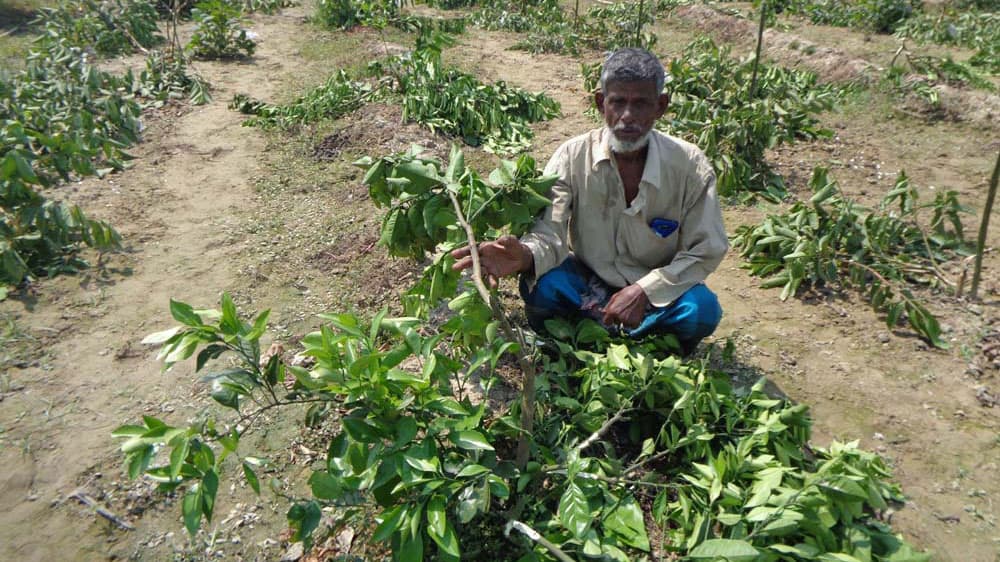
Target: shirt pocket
point(648, 248)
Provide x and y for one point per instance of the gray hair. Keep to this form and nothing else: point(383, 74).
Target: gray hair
point(633, 65)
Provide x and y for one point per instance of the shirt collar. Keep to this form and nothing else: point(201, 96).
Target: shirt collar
point(601, 152)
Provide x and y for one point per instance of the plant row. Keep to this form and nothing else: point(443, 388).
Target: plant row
point(62, 119)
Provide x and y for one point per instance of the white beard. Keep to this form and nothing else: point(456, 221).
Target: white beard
point(619, 146)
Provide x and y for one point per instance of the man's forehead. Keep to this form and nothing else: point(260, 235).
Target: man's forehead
point(632, 87)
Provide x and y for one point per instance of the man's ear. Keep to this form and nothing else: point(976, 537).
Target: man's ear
point(599, 101)
point(662, 103)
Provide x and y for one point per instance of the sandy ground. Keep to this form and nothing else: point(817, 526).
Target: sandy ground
point(210, 206)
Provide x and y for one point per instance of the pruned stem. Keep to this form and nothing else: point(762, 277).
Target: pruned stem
point(760, 43)
point(528, 368)
point(981, 242)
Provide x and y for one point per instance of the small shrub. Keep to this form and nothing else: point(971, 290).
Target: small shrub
point(219, 32)
point(345, 14)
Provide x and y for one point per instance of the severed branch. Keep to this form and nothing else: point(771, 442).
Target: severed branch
point(538, 538)
point(89, 501)
point(620, 415)
point(527, 367)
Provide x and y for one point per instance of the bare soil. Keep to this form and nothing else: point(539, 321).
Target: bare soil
point(282, 222)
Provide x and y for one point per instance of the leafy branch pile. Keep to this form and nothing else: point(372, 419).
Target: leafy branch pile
point(551, 29)
point(920, 74)
point(338, 96)
point(878, 252)
point(711, 105)
point(109, 27)
point(59, 118)
point(881, 16)
point(625, 441)
point(969, 28)
point(496, 116)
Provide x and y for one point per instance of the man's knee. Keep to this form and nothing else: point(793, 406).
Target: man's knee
point(705, 307)
point(699, 315)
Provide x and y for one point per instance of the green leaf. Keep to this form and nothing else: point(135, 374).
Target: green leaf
point(843, 488)
point(157, 338)
point(177, 457)
point(837, 557)
point(185, 314)
point(437, 521)
point(448, 542)
point(251, 477)
point(574, 512)
point(390, 522)
point(470, 440)
point(259, 326)
point(411, 548)
point(724, 549)
point(230, 323)
point(625, 521)
point(456, 164)
point(128, 431)
point(498, 486)
point(619, 357)
point(139, 459)
point(590, 332)
point(191, 508)
point(418, 463)
point(304, 518)
point(360, 430)
point(802, 550)
point(325, 486)
point(472, 470)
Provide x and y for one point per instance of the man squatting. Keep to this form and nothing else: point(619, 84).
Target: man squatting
point(634, 227)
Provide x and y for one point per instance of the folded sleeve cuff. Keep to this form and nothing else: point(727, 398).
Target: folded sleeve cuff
point(659, 292)
point(543, 260)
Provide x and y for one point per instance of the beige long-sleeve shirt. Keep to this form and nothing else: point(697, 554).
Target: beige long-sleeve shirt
point(589, 218)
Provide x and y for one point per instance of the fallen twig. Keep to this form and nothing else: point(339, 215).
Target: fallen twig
point(89, 501)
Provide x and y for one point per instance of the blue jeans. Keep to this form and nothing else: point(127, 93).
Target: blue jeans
point(573, 291)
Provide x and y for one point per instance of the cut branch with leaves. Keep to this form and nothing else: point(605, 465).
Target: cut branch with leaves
point(881, 253)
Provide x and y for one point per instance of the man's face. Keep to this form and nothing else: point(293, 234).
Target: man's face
point(631, 109)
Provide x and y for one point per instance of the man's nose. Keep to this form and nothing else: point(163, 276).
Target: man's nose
point(628, 115)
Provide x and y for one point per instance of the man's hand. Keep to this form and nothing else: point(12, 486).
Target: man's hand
point(626, 307)
point(500, 258)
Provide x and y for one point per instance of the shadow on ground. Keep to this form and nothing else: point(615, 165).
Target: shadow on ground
point(16, 20)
